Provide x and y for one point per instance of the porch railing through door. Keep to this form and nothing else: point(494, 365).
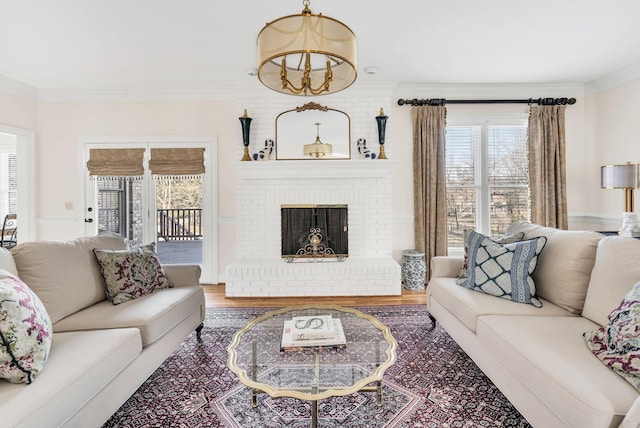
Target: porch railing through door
point(178, 224)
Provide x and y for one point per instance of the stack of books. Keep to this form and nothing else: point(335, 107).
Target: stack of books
point(313, 331)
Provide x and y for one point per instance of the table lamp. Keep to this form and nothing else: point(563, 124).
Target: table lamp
point(624, 177)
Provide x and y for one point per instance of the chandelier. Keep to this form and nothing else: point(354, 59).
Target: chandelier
point(318, 149)
point(307, 54)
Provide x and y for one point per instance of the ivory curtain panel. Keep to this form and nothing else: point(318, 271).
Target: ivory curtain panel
point(430, 204)
point(547, 170)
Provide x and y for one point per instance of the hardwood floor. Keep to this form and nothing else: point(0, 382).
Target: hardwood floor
point(215, 297)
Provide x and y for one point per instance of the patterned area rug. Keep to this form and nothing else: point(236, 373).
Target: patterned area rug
point(432, 384)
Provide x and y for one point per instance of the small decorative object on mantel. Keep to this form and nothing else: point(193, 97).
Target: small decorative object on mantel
point(364, 152)
point(382, 125)
point(245, 121)
point(264, 154)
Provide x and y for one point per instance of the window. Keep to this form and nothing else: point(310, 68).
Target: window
point(487, 176)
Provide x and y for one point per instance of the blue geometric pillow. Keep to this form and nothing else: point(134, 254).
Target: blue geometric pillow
point(503, 270)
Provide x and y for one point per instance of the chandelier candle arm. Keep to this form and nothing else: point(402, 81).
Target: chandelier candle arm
point(321, 49)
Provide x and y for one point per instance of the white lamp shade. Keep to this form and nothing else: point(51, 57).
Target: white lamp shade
point(620, 176)
point(292, 36)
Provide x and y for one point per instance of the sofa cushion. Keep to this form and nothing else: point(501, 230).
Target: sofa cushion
point(505, 239)
point(26, 331)
point(548, 355)
point(616, 270)
point(503, 270)
point(467, 305)
point(129, 274)
point(64, 274)
point(7, 263)
point(617, 344)
point(154, 314)
point(564, 267)
point(79, 366)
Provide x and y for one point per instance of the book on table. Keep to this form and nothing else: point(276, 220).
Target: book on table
point(312, 327)
point(290, 343)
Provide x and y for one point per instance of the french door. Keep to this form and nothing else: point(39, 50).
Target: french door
point(178, 213)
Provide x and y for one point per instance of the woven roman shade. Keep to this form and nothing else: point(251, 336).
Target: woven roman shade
point(177, 162)
point(116, 163)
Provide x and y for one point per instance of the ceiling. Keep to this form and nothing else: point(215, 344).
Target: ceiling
point(191, 44)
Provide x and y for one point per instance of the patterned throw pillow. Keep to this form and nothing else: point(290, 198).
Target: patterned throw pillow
point(505, 239)
point(129, 274)
point(617, 344)
point(25, 330)
point(503, 270)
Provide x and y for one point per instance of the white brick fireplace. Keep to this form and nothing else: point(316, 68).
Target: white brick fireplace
point(263, 187)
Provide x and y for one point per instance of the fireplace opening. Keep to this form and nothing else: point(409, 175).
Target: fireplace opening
point(314, 232)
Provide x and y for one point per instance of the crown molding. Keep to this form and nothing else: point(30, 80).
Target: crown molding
point(490, 90)
point(614, 79)
point(219, 93)
point(14, 87)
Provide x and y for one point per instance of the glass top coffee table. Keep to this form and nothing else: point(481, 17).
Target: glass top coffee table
point(313, 373)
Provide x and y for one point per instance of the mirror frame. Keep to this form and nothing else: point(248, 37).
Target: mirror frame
point(285, 144)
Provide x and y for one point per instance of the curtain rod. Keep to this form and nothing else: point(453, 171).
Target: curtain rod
point(530, 101)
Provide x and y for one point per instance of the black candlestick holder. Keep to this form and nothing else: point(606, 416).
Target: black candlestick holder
point(382, 125)
point(245, 121)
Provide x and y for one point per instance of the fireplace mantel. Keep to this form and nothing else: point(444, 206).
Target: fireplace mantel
point(313, 168)
point(263, 187)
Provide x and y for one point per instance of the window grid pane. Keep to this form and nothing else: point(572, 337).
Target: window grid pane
point(506, 172)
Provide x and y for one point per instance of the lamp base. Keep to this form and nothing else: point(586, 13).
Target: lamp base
point(630, 225)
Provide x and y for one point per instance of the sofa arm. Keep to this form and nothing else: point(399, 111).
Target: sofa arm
point(183, 275)
point(446, 266)
point(632, 419)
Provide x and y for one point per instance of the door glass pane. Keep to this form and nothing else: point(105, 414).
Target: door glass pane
point(120, 208)
point(179, 219)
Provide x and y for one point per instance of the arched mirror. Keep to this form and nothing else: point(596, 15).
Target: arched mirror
point(313, 132)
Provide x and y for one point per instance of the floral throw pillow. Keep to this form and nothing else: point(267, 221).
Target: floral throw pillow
point(505, 239)
point(617, 344)
point(25, 330)
point(129, 274)
point(503, 270)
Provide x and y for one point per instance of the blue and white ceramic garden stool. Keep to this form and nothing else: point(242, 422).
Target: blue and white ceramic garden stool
point(414, 269)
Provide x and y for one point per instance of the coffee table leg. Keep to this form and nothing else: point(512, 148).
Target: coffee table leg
point(314, 390)
point(379, 383)
point(314, 414)
point(254, 372)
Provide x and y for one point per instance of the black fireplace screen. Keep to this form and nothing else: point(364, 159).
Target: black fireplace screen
point(314, 231)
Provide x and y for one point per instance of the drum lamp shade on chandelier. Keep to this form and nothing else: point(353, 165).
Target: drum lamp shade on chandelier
point(307, 54)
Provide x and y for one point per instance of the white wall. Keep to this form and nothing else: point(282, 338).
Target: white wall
point(612, 121)
point(600, 130)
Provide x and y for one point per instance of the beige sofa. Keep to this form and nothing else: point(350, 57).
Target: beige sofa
point(101, 353)
point(538, 356)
